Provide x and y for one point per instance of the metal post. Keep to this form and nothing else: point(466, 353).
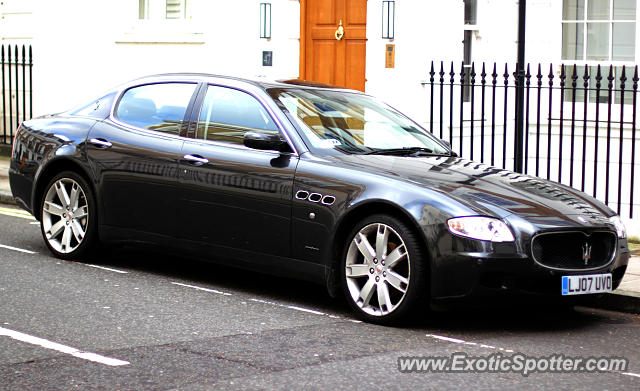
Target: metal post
point(520, 74)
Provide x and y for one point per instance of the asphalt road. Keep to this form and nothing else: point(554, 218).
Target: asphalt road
point(151, 321)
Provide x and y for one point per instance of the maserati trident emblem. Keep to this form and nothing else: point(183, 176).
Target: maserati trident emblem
point(586, 253)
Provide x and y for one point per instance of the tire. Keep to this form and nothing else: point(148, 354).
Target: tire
point(68, 220)
point(385, 282)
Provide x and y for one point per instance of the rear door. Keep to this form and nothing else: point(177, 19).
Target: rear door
point(135, 156)
point(233, 196)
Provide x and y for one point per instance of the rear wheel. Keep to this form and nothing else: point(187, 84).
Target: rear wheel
point(384, 270)
point(68, 221)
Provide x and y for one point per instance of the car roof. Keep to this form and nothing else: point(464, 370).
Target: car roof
point(262, 83)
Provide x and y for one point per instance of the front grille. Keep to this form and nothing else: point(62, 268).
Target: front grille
point(574, 250)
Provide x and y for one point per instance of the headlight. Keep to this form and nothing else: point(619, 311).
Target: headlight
point(620, 228)
point(481, 228)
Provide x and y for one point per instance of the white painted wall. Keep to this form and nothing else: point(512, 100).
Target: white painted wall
point(82, 47)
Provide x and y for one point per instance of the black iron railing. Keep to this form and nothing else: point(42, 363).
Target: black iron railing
point(17, 87)
point(579, 123)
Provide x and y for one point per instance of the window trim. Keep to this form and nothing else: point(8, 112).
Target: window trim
point(185, 119)
point(610, 21)
point(144, 7)
point(199, 102)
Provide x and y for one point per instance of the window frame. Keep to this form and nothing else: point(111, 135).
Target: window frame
point(144, 7)
point(610, 21)
point(185, 125)
point(593, 64)
point(199, 104)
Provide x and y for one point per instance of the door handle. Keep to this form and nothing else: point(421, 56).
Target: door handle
point(340, 31)
point(196, 160)
point(100, 142)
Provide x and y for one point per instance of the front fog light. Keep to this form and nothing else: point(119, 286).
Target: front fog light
point(481, 228)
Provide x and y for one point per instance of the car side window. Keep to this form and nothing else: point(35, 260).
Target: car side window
point(99, 108)
point(227, 114)
point(159, 107)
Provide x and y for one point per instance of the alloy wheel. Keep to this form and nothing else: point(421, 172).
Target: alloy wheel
point(377, 269)
point(65, 215)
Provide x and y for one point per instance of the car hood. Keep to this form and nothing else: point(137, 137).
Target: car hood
point(488, 190)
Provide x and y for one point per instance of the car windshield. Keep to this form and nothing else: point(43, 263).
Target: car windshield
point(355, 123)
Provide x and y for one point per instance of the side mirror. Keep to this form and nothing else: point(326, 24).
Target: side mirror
point(264, 141)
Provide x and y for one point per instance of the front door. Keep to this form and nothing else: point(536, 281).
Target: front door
point(333, 42)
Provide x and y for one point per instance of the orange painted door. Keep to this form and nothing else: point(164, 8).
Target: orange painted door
point(327, 59)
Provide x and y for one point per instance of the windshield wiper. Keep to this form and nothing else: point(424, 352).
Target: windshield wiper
point(407, 151)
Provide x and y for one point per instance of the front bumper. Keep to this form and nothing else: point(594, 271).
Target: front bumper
point(465, 274)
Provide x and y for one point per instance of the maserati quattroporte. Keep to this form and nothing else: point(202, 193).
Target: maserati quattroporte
point(305, 180)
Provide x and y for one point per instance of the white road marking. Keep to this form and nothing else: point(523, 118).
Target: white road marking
point(630, 374)
point(35, 223)
point(106, 268)
point(16, 213)
point(17, 249)
point(443, 338)
point(202, 289)
point(293, 307)
point(62, 348)
point(456, 340)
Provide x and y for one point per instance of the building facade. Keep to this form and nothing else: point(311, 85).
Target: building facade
point(382, 47)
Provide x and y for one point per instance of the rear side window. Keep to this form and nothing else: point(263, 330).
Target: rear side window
point(227, 114)
point(159, 107)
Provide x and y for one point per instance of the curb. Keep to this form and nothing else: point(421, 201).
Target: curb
point(620, 300)
point(6, 198)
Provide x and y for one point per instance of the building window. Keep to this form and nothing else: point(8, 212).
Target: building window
point(599, 30)
point(162, 9)
point(470, 20)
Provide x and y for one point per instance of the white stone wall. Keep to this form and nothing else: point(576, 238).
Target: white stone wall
point(84, 46)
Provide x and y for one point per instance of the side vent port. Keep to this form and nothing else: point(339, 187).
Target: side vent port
point(302, 195)
point(328, 200)
point(315, 197)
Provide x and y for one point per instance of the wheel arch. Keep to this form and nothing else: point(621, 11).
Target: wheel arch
point(346, 224)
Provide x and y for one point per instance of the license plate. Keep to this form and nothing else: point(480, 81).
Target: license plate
point(592, 283)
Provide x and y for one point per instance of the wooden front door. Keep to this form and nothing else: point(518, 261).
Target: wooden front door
point(325, 59)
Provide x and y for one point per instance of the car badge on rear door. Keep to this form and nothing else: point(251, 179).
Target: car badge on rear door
point(586, 253)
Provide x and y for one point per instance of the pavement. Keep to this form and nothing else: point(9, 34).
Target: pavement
point(626, 298)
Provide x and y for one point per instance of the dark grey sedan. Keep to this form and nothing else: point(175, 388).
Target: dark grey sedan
point(309, 181)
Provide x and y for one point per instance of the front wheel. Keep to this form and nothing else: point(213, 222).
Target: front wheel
point(384, 270)
point(68, 221)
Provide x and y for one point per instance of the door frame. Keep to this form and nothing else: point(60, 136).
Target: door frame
point(303, 40)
